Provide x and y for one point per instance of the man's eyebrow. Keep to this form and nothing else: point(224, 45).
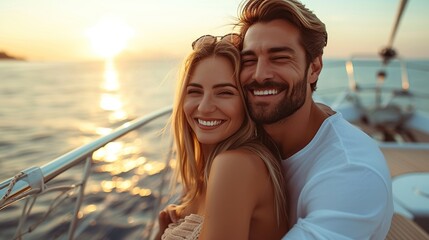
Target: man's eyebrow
point(270, 50)
point(281, 49)
point(247, 53)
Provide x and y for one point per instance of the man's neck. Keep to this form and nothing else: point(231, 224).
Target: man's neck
point(294, 132)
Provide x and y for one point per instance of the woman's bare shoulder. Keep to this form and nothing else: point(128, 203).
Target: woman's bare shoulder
point(241, 161)
point(238, 183)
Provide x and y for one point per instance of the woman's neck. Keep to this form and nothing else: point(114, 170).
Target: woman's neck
point(207, 150)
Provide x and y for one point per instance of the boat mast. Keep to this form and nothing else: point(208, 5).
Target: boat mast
point(388, 52)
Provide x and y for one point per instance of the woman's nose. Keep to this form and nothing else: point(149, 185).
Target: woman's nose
point(207, 104)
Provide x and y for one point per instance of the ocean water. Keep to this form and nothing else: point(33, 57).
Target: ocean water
point(50, 108)
point(47, 109)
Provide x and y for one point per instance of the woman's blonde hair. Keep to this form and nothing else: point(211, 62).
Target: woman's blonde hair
point(191, 169)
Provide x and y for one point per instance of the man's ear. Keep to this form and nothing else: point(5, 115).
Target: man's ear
point(314, 69)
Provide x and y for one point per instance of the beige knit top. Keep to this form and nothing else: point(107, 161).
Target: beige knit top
point(186, 228)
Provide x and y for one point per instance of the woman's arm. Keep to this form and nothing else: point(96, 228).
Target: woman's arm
point(235, 183)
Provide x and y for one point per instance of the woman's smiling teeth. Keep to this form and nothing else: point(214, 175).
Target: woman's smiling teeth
point(209, 123)
point(265, 92)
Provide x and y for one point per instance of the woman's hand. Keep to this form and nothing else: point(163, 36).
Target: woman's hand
point(166, 216)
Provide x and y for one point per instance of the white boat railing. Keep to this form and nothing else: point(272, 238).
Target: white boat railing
point(31, 181)
point(353, 85)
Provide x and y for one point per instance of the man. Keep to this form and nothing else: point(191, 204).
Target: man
point(339, 186)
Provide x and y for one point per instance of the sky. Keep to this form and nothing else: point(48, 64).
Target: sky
point(78, 30)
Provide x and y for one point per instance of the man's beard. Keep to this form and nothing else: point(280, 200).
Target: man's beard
point(266, 114)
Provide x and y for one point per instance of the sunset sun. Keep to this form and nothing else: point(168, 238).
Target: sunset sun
point(109, 37)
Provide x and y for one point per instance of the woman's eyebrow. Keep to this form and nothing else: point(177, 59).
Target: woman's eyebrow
point(224, 85)
point(194, 85)
point(220, 85)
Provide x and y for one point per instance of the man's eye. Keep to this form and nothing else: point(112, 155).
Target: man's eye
point(281, 58)
point(248, 62)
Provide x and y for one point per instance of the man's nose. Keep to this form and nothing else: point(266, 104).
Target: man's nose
point(263, 71)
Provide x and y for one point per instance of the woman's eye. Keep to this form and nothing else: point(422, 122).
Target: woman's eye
point(227, 92)
point(193, 91)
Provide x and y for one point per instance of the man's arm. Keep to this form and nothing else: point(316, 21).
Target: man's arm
point(350, 202)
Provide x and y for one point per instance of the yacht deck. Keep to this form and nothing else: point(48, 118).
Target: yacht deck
point(401, 161)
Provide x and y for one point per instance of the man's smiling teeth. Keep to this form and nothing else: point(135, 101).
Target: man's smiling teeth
point(209, 123)
point(265, 92)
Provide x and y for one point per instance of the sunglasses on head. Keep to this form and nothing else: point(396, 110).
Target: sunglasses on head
point(233, 38)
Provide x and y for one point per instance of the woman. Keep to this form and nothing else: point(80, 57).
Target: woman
point(233, 185)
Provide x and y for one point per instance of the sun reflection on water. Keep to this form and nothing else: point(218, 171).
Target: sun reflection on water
point(151, 168)
point(110, 102)
point(108, 153)
point(110, 99)
point(103, 131)
point(86, 210)
point(111, 82)
point(119, 184)
point(124, 157)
